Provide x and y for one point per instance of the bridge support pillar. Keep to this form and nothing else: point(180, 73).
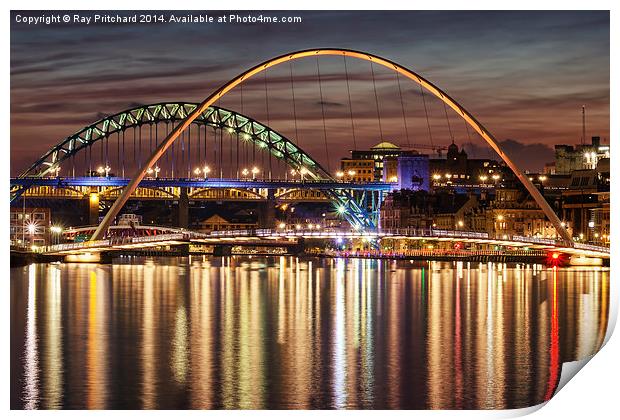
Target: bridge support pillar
point(93, 208)
point(183, 210)
point(95, 257)
point(267, 218)
point(222, 250)
point(297, 249)
point(183, 249)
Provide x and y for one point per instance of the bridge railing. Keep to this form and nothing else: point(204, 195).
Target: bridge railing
point(433, 253)
point(429, 232)
point(74, 245)
point(589, 247)
point(185, 236)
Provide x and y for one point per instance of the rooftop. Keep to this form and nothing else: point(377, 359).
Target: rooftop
point(385, 145)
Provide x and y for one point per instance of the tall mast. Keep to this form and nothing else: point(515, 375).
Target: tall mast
point(583, 124)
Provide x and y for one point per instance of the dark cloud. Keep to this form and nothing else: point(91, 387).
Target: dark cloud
point(524, 75)
point(329, 104)
point(528, 156)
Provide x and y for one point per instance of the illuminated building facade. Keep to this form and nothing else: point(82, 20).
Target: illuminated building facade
point(217, 222)
point(409, 170)
point(378, 154)
point(586, 204)
point(30, 226)
point(458, 170)
point(514, 212)
point(581, 156)
point(356, 170)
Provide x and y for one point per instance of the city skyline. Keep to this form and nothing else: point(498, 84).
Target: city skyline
point(530, 98)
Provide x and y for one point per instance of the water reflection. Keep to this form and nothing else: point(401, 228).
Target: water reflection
point(287, 333)
point(31, 362)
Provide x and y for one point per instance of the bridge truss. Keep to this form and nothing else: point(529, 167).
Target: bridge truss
point(355, 208)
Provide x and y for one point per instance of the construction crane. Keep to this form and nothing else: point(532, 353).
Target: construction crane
point(437, 149)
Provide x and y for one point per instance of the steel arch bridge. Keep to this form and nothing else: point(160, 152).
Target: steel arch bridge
point(415, 77)
point(213, 116)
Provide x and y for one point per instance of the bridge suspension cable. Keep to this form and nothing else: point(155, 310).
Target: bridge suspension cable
point(428, 122)
point(445, 108)
point(374, 86)
point(220, 92)
point(318, 71)
point(402, 107)
point(346, 72)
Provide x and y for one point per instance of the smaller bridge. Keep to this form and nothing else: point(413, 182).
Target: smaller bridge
point(201, 189)
point(271, 237)
point(88, 181)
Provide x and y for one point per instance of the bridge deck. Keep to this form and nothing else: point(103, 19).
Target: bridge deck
point(283, 237)
point(201, 183)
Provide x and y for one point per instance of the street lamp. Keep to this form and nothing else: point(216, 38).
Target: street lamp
point(282, 225)
point(205, 170)
point(155, 170)
point(104, 170)
point(302, 172)
point(255, 171)
point(339, 174)
point(245, 172)
point(56, 230)
point(495, 177)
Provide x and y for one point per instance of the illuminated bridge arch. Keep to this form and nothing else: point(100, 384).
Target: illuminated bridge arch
point(171, 112)
point(218, 118)
point(228, 194)
point(300, 194)
point(426, 84)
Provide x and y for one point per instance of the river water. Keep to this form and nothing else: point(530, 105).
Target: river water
point(282, 332)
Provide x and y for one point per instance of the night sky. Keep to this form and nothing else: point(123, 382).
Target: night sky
point(524, 75)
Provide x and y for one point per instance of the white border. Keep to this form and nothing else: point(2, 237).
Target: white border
point(592, 394)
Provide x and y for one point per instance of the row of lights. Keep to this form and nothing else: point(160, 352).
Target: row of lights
point(350, 172)
point(32, 228)
point(205, 170)
point(245, 171)
point(103, 170)
point(495, 177)
point(298, 226)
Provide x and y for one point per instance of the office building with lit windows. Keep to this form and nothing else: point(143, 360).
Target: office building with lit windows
point(30, 226)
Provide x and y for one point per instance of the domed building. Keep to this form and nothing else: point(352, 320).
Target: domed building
point(377, 154)
point(387, 162)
